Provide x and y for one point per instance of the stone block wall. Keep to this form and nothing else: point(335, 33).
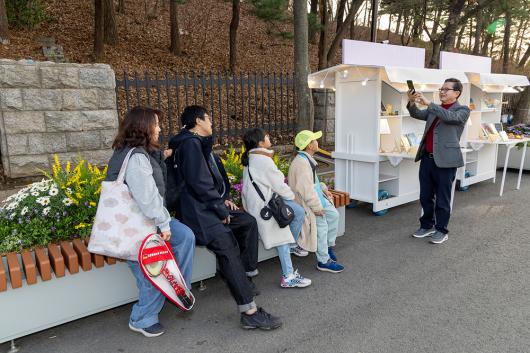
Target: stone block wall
point(48, 108)
point(324, 103)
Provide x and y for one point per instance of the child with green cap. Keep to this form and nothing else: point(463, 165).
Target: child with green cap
point(322, 219)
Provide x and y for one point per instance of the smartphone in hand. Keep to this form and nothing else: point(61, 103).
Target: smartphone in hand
point(411, 86)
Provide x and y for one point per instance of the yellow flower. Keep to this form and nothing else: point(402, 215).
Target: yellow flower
point(93, 204)
point(68, 167)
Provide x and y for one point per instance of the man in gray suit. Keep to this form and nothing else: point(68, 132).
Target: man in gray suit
point(440, 156)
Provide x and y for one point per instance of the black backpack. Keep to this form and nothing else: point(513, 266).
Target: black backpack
point(174, 183)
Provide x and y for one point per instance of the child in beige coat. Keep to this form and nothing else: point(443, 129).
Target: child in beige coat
point(321, 222)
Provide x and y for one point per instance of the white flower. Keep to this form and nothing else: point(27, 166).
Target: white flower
point(46, 211)
point(53, 191)
point(68, 191)
point(45, 200)
point(67, 201)
point(35, 193)
point(12, 206)
point(24, 211)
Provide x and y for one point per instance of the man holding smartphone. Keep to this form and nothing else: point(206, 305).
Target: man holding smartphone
point(440, 156)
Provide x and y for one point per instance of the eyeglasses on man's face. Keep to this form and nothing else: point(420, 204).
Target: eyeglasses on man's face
point(445, 90)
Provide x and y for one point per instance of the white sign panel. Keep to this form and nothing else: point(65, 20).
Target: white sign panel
point(361, 53)
point(466, 63)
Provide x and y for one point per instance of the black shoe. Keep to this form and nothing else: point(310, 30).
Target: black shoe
point(255, 290)
point(260, 319)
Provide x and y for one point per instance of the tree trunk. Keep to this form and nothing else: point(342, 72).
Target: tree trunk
point(525, 57)
point(234, 24)
point(521, 111)
point(506, 44)
point(492, 45)
point(4, 28)
point(398, 22)
point(449, 37)
point(121, 7)
point(478, 34)
point(304, 101)
point(355, 4)
point(460, 35)
point(485, 44)
point(352, 30)
point(110, 29)
point(98, 31)
point(340, 14)
point(314, 12)
point(435, 58)
point(174, 46)
point(389, 25)
point(323, 41)
point(519, 45)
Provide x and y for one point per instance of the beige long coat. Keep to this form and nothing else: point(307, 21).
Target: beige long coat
point(301, 182)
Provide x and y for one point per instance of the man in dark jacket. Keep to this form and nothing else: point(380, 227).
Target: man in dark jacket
point(440, 156)
point(242, 224)
point(203, 209)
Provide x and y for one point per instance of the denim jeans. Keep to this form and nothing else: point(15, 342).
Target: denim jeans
point(151, 300)
point(284, 251)
point(327, 228)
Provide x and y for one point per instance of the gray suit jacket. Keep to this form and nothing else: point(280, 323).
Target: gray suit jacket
point(446, 137)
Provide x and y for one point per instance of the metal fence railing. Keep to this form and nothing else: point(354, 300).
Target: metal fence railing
point(235, 103)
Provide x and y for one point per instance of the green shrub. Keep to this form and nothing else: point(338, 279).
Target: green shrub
point(270, 10)
point(25, 13)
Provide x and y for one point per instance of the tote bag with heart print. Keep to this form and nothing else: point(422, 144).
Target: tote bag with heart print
point(120, 226)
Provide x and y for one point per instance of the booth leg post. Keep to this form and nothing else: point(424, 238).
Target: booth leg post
point(13, 348)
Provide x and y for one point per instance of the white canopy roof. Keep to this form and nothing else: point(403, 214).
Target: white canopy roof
point(498, 80)
point(398, 75)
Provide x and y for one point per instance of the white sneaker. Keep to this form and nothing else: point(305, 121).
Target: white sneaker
point(294, 280)
point(298, 251)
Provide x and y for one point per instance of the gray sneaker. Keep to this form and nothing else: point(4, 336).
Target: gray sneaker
point(422, 233)
point(438, 238)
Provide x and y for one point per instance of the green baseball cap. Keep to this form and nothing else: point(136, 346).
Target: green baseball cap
point(304, 137)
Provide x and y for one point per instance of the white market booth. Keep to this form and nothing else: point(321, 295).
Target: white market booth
point(375, 137)
point(486, 96)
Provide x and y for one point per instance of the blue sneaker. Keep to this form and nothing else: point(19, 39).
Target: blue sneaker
point(330, 266)
point(151, 331)
point(331, 254)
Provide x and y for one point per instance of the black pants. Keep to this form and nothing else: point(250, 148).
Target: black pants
point(435, 194)
point(245, 230)
point(223, 243)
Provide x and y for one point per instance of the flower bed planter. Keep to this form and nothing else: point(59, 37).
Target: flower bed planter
point(63, 282)
point(49, 286)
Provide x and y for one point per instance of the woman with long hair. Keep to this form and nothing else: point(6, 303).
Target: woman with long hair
point(261, 170)
point(145, 176)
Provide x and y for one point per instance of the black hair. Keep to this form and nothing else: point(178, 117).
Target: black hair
point(457, 85)
point(190, 114)
point(251, 140)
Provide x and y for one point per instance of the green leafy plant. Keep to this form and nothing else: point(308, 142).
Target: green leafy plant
point(270, 10)
point(60, 207)
point(25, 13)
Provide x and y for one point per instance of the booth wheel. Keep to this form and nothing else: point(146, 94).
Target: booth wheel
point(381, 213)
point(382, 195)
point(352, 204)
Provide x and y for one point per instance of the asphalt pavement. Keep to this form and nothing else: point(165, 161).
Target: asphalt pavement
point(397, 294)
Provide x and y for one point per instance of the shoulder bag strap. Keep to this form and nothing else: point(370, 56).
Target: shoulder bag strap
point(313, 167)
point(255, 185)
point(121, 175)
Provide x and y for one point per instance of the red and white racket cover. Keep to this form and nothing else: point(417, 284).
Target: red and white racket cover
point(160, 267)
